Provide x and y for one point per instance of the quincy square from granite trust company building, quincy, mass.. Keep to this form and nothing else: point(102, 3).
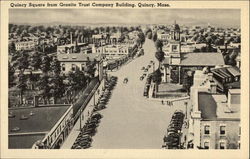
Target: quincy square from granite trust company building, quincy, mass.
point(153, 79)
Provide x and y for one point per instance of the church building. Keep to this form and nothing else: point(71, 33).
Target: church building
point(177, 63)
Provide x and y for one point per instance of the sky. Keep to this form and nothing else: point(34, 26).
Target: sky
point(215, 17)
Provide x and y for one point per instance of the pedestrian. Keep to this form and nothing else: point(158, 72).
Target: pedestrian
point(162, 102)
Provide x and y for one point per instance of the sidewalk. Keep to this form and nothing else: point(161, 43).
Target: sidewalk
point(67, 144)
point(171, 99)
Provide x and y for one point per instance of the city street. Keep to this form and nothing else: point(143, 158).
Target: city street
point(130, 120)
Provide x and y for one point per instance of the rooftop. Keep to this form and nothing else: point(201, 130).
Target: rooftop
point(42, 120)
point(73, 44)
point(215, 107)
point(24, 141)
point(207, 106)
point(79, 57)
point(234, 91)
point(202, 59)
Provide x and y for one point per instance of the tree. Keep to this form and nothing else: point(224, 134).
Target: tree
point(159, 55)
point(21, 85)
point(149, 35)
point(57, 87)
point(44, 88)
point(76, 83)
point(21, 61)
point(158, 45)
point(55, 67)
point(35, 60)
point(154, 36)
point(45, 63)
point(156, 76)
point(90, 68)
point(11, 74)
point(12, 48)
point(187, 81)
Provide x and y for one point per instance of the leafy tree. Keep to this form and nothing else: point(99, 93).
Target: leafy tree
point(45, 65)
point(11, 75)
point(21, 61)
point(12, 48)
point(154, 36)
point(44, 88)
point(158, 45)
point(149, 35)
point(187, 81)
point(156, 76)
point(159, 55)
point(76, 83)
point(35, 60)
point(55, 67)
point(21, 85)
point(57, 87)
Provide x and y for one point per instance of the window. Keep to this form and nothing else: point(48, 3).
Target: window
point(206, 145)
point(73, 67)
point(222, 145)
point(174, 48)
point(63, 67)
point(222, 130)
point(207, 129)
point(82, 67)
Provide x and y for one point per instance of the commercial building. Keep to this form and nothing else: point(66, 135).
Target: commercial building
point(215, 118)
point(39, 127)
point(72, 61)
point(113, 51)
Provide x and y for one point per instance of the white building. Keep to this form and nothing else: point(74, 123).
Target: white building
point(25, 45)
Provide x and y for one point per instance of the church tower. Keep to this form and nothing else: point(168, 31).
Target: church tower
point(175, 45)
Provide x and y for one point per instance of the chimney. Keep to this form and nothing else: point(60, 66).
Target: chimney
point(210, 76)
point(234, 100)
point(213, 87)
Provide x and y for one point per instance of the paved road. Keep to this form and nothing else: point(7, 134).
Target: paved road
point(130, 120)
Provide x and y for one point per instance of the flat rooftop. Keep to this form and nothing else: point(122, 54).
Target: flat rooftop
point(80, 57)
point(201, 59)
point(24, 141)
point(42, 120)
point(215, 107)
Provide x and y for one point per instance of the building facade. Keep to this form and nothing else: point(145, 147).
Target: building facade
point(25, 45)
point(177, 63)
point(215, 118)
